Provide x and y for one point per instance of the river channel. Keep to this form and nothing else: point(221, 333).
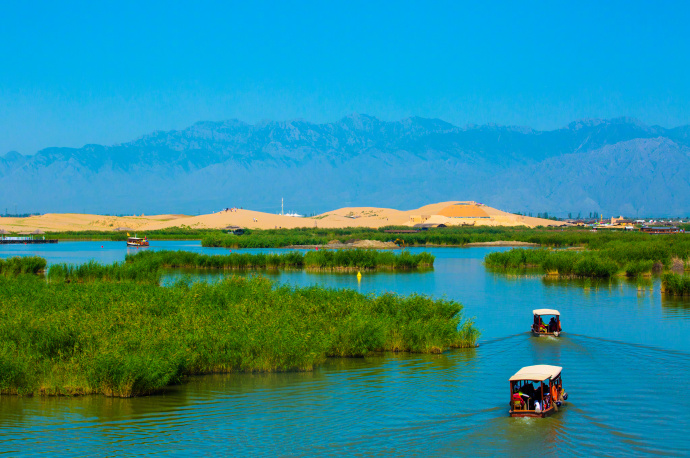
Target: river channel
point(625, 354)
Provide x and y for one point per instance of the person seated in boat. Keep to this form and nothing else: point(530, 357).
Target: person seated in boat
point(529, 392)
point(542, 326)
point(516, 400)
point(553, 326)
point(554, 393)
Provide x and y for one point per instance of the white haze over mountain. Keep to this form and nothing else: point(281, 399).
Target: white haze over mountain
point(617, 166)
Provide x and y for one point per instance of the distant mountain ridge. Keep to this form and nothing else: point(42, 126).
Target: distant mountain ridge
point(606, 166)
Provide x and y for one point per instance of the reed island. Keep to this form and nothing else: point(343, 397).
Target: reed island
point(113, 330)
point(632, 255)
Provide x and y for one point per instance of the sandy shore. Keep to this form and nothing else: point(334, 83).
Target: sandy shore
point(502, 243)
point(374, 217)
point(366, 244)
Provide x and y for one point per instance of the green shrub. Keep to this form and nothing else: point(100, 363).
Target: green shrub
point(675, 284)
point(22, 265)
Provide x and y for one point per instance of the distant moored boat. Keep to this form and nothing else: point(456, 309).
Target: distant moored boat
point(137, 241)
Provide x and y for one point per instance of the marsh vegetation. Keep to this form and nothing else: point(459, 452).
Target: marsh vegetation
point(129, 338)
point(667, 255)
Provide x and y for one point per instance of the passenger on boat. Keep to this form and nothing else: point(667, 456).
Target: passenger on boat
point(553, 326)
point(529, 391)
point(517, 399)
point(545, 390)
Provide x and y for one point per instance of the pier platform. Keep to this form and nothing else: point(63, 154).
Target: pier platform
point(28, 242)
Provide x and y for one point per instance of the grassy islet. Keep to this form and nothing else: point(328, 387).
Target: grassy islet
point(120, 337)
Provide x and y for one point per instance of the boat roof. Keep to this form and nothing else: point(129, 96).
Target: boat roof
point(546, 312)
point(538, 373)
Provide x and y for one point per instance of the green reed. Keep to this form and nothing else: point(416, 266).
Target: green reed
point(129, 338)
point(560, 262)
point(631, 254)
point(448, 236)
point(675, 284)
point(143, 272)
point(321, 259)
point(22, 265)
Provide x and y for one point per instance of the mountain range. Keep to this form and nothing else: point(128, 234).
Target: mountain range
point(616, 166)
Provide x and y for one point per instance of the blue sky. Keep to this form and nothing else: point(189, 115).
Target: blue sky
point(73, 73)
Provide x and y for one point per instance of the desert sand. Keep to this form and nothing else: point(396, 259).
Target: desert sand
point(461, 213)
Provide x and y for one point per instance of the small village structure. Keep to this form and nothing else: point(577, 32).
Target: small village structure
point(234, 230)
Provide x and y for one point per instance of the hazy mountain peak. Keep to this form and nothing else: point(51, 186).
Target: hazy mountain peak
point(587, 122)
point(12, 155)
point(628, 120)
point(361, 122)
point(594, 122)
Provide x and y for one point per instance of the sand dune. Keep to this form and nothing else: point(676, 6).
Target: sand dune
point(463, 213)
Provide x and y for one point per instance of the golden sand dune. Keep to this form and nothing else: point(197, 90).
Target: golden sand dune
point(454, 213)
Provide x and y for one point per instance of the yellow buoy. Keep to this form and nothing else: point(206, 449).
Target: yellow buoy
point(359, 275)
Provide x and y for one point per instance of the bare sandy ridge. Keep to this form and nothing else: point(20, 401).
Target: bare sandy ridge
point(344, 217)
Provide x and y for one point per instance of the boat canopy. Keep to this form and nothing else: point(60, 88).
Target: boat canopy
point(546, 312)
point(537, 373)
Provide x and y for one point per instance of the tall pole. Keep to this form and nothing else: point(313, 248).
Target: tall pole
point(281, 206)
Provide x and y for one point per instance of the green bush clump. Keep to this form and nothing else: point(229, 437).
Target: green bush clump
point(143, 272)
point(637, 268)
point(128, 338)
point(322, 259)
point(560, 262)
point(516, 258)
point(675, 284)
point(676, 244)
point(635, 254)
point(22, 265)
point(148, 266)
point(15, 376)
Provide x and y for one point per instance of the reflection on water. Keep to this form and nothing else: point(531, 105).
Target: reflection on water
point(449, 404)
point(625, 354)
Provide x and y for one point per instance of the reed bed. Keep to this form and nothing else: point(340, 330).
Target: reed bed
point(628, 254)
point(129, 338)
point(323, 259)
point(566, 263)
point(142, 272)
point(448, 236)
point(22, 265)
point(675, 284)
point(172, 233)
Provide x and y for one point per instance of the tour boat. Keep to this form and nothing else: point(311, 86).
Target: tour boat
point(528, 400)
point(137, 241)
point(551, 329)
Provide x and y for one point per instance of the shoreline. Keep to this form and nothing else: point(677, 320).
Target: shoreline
point(501, 243)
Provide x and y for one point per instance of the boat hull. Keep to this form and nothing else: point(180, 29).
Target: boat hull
point(546, 334)
point(543, 334)
point(532, 413)
point(137, 244)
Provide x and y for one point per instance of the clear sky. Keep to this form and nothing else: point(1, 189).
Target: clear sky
point(73, 73)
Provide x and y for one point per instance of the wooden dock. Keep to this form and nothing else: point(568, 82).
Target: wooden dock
point(26, 242)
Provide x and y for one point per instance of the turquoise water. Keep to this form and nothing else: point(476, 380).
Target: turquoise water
point(625, 354)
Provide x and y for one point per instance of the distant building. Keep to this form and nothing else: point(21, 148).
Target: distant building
point(659, 230)
point(234, 230)
point(426, 226)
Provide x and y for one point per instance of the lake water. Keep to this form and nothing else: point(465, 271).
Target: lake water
point(625, 354)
